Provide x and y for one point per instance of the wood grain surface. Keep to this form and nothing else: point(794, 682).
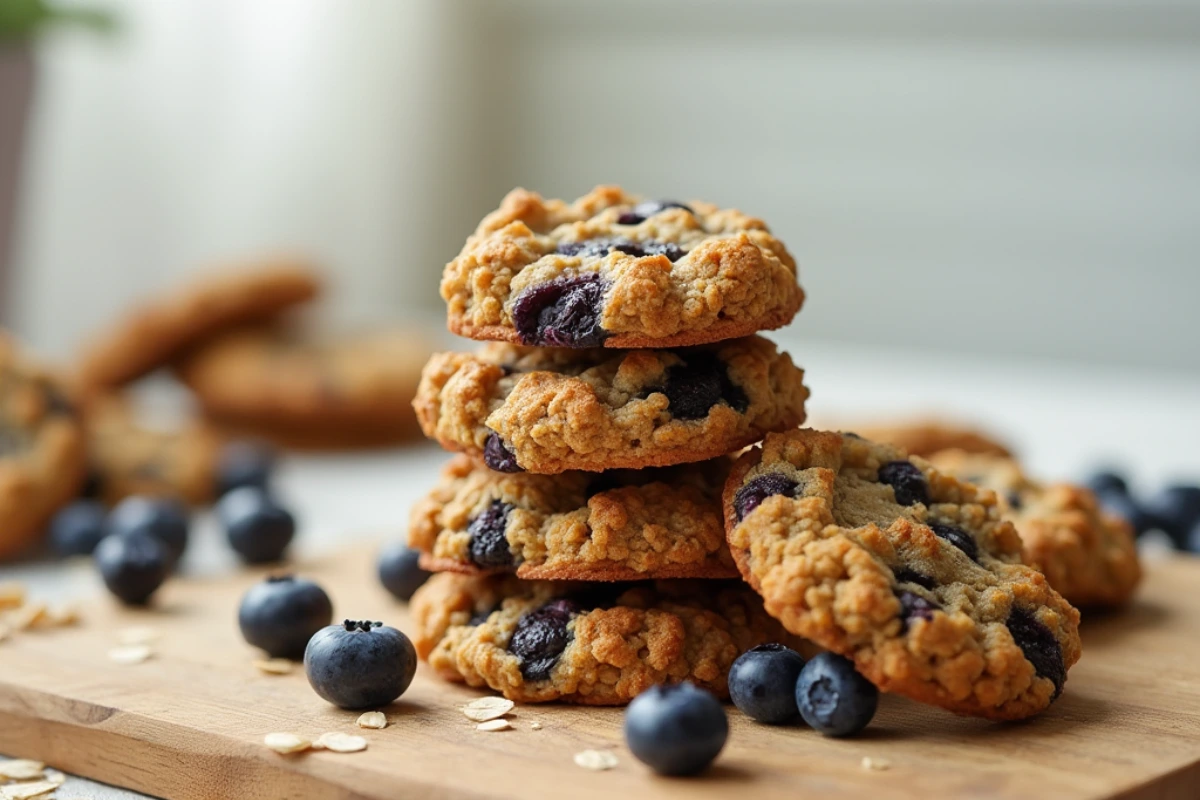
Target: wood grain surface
point(189, 722)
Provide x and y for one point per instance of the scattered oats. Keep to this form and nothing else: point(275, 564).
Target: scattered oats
point(486, 708)
point(12, 595)
point(535, 725)
point(22, 791)
point(21, 769)
point(494, 725)
point(286, 743)
point(55, 777)
point(342, 743)
point(137, 634)
point(273, 666)
point(60, 616)
point(27, 616)
point(130, 654)
point(875, 763)
point(598, 760)
point(373, 719)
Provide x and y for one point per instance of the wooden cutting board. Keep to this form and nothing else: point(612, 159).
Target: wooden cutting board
point(189, 723)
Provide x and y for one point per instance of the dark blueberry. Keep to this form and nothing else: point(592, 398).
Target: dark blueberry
point(1107, 482)
point(598, 248)
point(913, 606)
point(499, 457)
point(906, 480)
point(360, 664)
point(133, 565)
point(957, 537)
point(1014, 500)
point(562, 313)
point(1193, 542)
point(163, 518)
point(694, 386)
point(1129, 509)
point(540, 638)
point(908, 575)
point(833, 698)
point(78, 528)
point(400, 570)
point(257, 528)
point(489, 546)
point(676, 730)
point(244, 464)
point(1039, 646)
point(643, 211)
point(282, 613)
point(673, 252)
point(762, 683)
point(1175, 509)
point(750, 496)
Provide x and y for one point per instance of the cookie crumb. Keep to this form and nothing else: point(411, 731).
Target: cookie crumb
point(23, 791)
point(535, 725)
point(338, 742)
point(130, 654)
point(21, 769)
point(286, 743)
point(137, 634)
point(373, 719)
point(878, 764)
point(273, 666)
point(494, 725)
point(598, 760)
point(487, 708)
point(12, 595)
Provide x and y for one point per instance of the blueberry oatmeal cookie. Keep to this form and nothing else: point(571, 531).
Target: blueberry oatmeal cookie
point(163, 328)
point(1089, 556)
point(620, 525)
point(41, 449)
point(924, 437)
point(593, 644)
point(548, 410)
point(909, 572)
point(613, 270)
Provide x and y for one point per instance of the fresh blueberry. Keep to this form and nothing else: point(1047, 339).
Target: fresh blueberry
point(1176, 509)
point(957, 537)
point(598, 248)
point(540, 638)
point(133, 565)
point(282, 613)
point(244, 464)
point(644, 210)
point(750, 496)
point(78, 528)
point(257, 528)
point(1107, 481)
point(694, 386)
point(499, 457)
point(912, 605)
point(400, 570)
point(360, 664)
point(833, 698)
point(564, 312)
point(489, 545)
point(1129, 509)
point(1039, 646)
point(907, 481)
point(163, 518)
point(762, 683)
point(1193, 542)
point(676, 730)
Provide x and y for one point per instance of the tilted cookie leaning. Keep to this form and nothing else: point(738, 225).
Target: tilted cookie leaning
point(909, 572)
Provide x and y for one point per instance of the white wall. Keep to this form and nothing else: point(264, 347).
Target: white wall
point(1001, 177)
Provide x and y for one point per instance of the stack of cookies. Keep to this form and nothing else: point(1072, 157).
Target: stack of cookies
point(579, 535)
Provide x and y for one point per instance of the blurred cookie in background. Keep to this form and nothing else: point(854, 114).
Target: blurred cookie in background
point(162, 328)
point(42, 462)
point(310, 390)
point(129, 456)
point(926, 436)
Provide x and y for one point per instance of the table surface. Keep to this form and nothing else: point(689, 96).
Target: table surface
point(1063, 419)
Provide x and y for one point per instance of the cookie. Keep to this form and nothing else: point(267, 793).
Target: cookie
point(41, 449)
point(163, 328)
point(1088, 556)
point(621, 525)
point(909, 572)
point(926, 437)
point(594, 644)
point(310, 390)
point(612, 270)
point(550, 410)
point(127, 457)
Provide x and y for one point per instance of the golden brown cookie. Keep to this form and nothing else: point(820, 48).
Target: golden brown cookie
point(593, 644)
point(926, 437)
point(1089, 556)
point(127, 457)
point(41, 449)
point(621, 525)
point(613, 270)
point(548, 410)
point(163, 328)
point(310, 390)
point(909, 572)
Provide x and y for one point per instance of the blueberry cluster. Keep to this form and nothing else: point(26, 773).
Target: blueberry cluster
point(1174, 510)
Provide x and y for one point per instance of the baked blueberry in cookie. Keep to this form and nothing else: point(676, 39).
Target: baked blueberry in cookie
point(612, 270)
point(912, 574)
